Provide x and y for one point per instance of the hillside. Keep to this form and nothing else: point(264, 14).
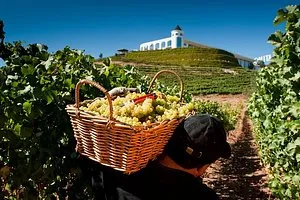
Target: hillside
point(203, 70)
point(201, 57)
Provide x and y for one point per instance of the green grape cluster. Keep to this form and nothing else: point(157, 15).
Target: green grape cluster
point(164, 107)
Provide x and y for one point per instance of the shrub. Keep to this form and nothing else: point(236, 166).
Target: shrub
point(37, 155)
point(275, 108)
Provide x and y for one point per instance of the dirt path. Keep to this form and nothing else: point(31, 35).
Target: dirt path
point(242, 176)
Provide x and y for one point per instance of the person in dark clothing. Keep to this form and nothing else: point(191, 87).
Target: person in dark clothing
point(176, 175)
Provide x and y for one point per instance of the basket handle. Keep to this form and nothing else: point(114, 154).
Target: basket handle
point(168, 71)
point(84, 81)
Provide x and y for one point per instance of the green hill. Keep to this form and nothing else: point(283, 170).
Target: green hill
point(203, 70)
point(202, 57)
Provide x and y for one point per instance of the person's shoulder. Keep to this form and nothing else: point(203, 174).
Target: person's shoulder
point(202, 191)
point(125, 195)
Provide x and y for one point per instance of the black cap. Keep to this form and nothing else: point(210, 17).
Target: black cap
point(198, 140)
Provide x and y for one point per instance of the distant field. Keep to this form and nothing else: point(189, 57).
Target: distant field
point(207, 80)
point(203, 70)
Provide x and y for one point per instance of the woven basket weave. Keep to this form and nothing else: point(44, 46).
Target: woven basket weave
point(113, 143)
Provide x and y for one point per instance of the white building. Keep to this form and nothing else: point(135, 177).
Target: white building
point(265, 58)
point(177, 40)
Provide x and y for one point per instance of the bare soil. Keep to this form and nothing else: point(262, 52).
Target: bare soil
point(242, 176)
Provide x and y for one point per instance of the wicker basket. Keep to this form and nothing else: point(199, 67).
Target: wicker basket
point(115, 144)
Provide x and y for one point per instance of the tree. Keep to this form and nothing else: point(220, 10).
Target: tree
point(251, 66)
point(259, 63)
point(2, 33)
point(4, 51)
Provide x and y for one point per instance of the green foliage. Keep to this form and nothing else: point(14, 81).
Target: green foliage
point(203, 70)
point(171, 87)
point(37, 142)
point(275, 107)
point(37, 154)
point(201, 57)
point(208, 80)
point(225, 112)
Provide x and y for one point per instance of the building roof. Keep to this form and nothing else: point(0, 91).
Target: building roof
point(178, 28)
point(197, 44)
point(243, 58)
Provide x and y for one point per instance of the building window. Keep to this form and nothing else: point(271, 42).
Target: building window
point(176, 33)
point(181, 34)
point(169, 43)
point(157, 46)
point(163, 45)
point(151, 47)
point(146, 48)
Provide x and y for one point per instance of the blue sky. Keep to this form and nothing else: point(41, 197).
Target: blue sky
point(98, 26)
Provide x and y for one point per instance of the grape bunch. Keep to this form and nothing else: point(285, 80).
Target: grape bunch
point(144, 113)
